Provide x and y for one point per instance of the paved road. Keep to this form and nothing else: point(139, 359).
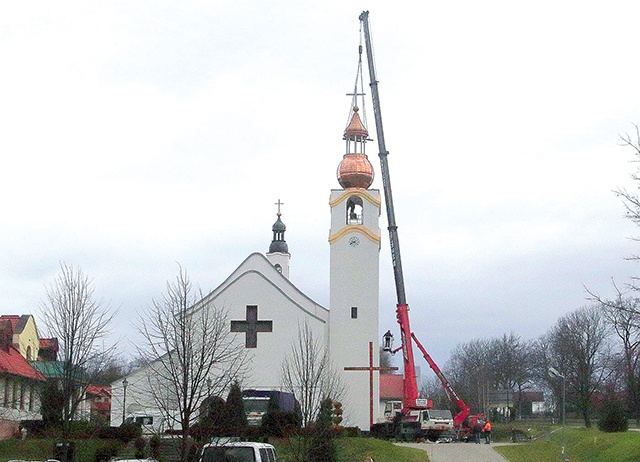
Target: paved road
point(456, 452)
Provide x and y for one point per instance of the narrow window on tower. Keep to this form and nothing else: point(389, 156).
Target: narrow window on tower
point(354, 312)
point(354, 210)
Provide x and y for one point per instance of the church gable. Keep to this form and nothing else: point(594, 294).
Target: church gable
point(265, 311)
point(257, 264)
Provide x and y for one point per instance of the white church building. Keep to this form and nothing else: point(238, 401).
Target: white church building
point(265, 308)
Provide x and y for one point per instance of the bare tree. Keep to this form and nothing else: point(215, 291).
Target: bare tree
point(630, 199)
point(497, 367)
point(510, 368)
point(80, 323)
point(191, 352)
point(470, 372)
point(308, 374)
point(431, 388)
point(577, 347)
point(114, 368)
point(623, 315)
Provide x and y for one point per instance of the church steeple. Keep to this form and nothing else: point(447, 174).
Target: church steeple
point(279, 250)
point(278, 244)
point(354, 246)
point(355, 170)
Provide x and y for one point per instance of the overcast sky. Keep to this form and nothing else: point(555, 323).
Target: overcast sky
point(138, 135)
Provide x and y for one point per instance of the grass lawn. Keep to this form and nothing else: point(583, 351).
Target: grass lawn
point(581, 445)
point(358, 449)
point(42, 449)
point(349, 450)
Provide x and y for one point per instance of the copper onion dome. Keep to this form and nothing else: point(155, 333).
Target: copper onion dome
point(355, 170)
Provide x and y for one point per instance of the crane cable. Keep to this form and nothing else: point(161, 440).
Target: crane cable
point(360, 80)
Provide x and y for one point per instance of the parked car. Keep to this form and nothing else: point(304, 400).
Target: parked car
point(134, 460)
point(238, 452)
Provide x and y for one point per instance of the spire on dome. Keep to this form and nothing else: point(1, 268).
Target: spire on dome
point(278, 244)
point(355, 128)
point(355, 170)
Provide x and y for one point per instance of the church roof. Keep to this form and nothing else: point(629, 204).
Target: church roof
point(258, 264)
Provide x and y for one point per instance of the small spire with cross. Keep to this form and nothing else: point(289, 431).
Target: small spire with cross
point(278, 244)
point(279, 204)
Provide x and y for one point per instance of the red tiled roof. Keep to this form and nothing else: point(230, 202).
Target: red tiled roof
point(12, 362)
point(391, 386)
point(50, 343)
point(99, 390)
point(13, 318)
point(101, 406)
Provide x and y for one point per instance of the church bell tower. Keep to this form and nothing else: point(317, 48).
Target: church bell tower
point(354, 241)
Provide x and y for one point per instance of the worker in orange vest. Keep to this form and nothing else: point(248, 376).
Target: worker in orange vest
point(487, 432)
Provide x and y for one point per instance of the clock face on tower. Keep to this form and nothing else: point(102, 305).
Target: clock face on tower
point(354, 241)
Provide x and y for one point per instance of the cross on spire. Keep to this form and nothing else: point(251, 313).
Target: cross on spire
point(279, 204)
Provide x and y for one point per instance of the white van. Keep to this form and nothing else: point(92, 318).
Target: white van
point(150, 422)
point(238, 452)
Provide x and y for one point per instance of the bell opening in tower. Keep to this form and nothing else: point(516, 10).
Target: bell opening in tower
point(354, 210)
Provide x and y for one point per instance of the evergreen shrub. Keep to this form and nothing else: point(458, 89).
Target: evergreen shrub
point(107, 452)
point(612, 416)
point(139, 444)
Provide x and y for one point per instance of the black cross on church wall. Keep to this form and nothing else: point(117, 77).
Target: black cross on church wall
point(252, 326)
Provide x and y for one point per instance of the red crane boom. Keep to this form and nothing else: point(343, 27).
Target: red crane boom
point(453, 396)
point(410, 386)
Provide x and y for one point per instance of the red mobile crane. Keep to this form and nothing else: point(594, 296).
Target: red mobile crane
point(407, 425)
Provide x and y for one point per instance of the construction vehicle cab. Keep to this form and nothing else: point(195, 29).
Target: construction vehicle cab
point(465, 430)
point(392, 409)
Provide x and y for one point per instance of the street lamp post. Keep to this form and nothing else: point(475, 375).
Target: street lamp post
point(555, 374)
point(125, 382)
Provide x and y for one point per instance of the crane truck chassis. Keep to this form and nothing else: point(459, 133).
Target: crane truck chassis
point(428, 424)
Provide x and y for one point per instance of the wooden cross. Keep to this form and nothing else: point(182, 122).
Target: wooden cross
point(251, 326)
point(371, 368)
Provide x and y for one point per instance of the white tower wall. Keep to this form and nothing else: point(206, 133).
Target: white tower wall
point(354, 298)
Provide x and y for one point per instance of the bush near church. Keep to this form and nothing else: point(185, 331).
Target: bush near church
point(612, 416)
